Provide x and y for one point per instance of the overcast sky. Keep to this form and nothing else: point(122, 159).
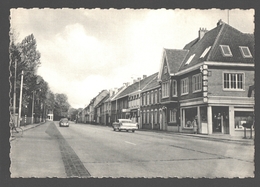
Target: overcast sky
point(84, 51)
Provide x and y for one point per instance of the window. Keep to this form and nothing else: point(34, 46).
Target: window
point(144, 117)
point(174, 88)
point(184, 86)
point(148, 119)
point(155, 116)
point(233, 81)
point(242, 117)
point(196, 83)
point(155, 97)
point(144, 99)
point(160, 95)
point(190, 59)
point(226, 50)
point(152, 117)
point(205, 52)
point(152, 97)
point(165, 69)
point(148, 98)
point(173, 115)
point(245, 52)
point(188, 117)
point(165, 89)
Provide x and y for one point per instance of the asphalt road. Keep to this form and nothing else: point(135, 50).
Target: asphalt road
point(83, 150)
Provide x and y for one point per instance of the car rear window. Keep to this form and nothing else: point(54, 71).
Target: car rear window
point(126, 121)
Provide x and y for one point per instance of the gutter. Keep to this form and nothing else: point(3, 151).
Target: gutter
point(212, 63)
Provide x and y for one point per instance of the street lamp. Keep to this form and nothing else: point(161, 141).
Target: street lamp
point(20, 102)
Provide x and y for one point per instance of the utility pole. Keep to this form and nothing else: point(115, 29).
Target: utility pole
point(20, 102)
point(14, 100)
point(32, 107)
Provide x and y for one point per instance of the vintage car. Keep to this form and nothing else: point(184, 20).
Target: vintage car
point(124, 124)
point(64, 122)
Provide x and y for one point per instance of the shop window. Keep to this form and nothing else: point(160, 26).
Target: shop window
point(243, 117)
point(189, 115)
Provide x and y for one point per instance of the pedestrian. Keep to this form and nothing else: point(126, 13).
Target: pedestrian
point(195, 126)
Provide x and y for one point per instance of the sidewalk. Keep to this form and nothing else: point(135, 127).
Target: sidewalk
point(27, 127)
point(212, 137)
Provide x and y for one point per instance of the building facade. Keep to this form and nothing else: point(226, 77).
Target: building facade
point(207, 82)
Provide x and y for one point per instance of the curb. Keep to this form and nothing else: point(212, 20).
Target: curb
point(248, 141)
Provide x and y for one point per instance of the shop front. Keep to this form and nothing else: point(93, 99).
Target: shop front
point(194, 119)
point(214, 119)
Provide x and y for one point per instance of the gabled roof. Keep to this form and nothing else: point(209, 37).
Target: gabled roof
point(153, 84)
point(136, 86)
point(102, 100)
point(174, 59)
point(114, 95)
point(223, 34)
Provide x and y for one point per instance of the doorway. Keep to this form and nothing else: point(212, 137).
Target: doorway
point(220, 121)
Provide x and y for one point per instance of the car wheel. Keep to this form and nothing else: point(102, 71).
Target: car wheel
point(126, 130)
point(133, 130)
point(119, 130)
point(114, 129)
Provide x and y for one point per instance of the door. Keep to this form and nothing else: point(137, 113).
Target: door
point(220, 120)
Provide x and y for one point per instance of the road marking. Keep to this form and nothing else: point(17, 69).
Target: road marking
point(130, 143)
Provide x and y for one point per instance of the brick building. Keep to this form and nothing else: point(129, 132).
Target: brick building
point(208, 81)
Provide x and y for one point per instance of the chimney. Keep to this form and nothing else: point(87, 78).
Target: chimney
point(220, 22)
point(144, 76)
point(115, 90)
point(111, 92)
point(139, 78)
point(202, 32)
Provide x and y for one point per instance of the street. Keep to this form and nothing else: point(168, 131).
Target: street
point(83, 150)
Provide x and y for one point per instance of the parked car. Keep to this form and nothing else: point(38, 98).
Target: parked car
point(64, 122)
point(124, 124)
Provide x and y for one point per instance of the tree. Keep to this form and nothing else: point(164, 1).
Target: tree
point(61, 106)
point(23, 57)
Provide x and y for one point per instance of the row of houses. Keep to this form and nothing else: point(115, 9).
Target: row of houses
point(205, 83)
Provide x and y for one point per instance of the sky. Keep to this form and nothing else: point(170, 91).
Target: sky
point(85, 51)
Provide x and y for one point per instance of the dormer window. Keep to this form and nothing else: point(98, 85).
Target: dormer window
point(190, 59)
point(226, 50)
point(245, 52)
point(205, 52)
